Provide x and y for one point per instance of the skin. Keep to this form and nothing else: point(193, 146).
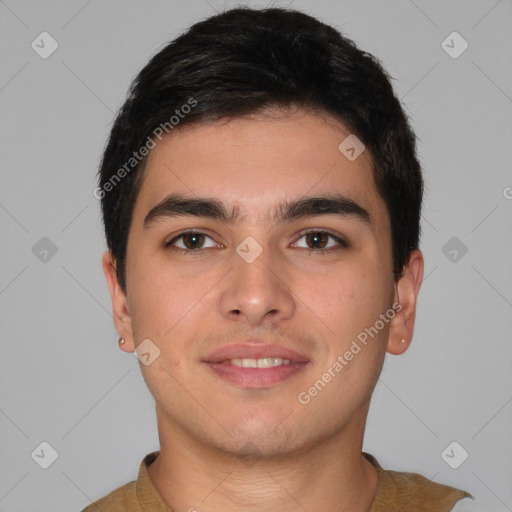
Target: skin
point(296, 455)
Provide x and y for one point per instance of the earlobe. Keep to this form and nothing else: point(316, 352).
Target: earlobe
point(406, 294)
point(120, 311)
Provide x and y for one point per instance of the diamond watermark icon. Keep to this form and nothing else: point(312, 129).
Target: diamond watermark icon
point(44, 45)
point(454, 249)
point(44, 249)
point(351, 147)
point(454, 455)
point(44, 455)
point(146, 352)
point(249, 249)
point(454, 45)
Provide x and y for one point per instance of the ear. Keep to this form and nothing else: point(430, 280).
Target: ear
point(406, 293)
point(121, 313)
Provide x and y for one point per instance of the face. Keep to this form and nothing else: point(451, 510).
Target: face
point(252, 301)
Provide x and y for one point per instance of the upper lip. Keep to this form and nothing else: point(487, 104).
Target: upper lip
point(251, 351)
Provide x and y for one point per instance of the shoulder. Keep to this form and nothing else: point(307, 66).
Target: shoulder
point(397, 490)
point(422, 491)
point(127, 498)
point(122, 499)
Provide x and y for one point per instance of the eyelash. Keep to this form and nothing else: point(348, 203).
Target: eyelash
point(343, 244)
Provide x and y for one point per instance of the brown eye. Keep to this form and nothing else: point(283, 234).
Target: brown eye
point(193, 240)
point(190, 241)
point(318, 240)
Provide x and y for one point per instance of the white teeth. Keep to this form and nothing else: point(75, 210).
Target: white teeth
point(268, 362)
point(264, 362)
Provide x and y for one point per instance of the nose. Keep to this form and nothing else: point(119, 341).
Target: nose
point(257, 292)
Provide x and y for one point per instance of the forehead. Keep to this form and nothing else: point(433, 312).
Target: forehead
point(254, 164)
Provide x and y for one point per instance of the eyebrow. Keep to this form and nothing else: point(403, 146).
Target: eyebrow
point(178, 205)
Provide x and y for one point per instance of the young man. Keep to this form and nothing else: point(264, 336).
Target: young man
point(261, 199)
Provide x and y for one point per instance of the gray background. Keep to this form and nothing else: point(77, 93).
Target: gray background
point(63, 379)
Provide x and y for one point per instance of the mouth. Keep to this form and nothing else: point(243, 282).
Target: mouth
point(263, 362)
point(255, 366)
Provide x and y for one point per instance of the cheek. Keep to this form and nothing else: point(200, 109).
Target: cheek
point(167, 307)
point(153, 304)
point(351, 296)
point(158, 293)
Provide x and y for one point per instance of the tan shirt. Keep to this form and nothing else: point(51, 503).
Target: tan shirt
point(396, 492)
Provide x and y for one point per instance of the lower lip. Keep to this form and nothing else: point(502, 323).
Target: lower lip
point(256, 377)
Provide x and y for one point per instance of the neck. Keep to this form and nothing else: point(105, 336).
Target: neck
point(332, 476)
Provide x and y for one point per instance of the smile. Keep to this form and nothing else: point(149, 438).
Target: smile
point(264, 362)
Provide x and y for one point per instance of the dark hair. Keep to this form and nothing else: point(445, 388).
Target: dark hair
point(240, 62)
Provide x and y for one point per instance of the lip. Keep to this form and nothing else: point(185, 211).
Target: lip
point(255, 377)
point(250, 351)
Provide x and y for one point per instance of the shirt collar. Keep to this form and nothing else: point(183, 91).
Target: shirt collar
point(148, 496)
point(385, 498)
